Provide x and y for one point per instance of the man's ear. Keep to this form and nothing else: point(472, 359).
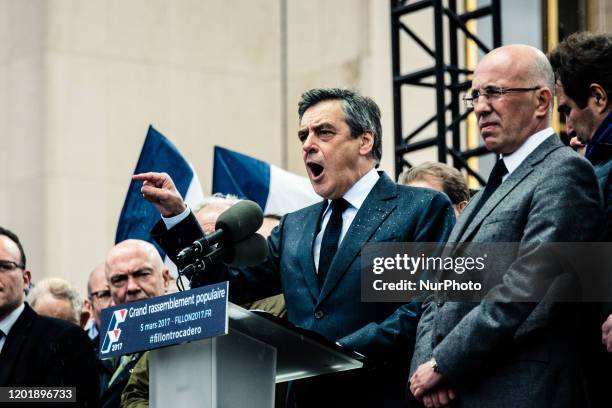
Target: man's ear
point(545, 101)
point(461, 205)
point(27, 279)
point(367, 143)
point(166, 278)
point(601, 97)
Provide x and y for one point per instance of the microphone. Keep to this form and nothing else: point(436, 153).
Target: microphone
point(233, 225)
point(248, 252)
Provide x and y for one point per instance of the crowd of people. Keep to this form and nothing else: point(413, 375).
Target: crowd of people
point(434, 352)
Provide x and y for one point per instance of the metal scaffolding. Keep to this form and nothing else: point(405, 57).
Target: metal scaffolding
point(457, 22)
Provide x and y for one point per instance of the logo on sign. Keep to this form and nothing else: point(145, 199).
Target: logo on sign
point(113, 332)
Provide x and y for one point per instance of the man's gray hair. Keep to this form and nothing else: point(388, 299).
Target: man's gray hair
point(543, 72)
point(217, 200)
point(360, 112)
point(60, 289)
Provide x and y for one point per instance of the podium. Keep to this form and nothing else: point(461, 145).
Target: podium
point(241, 368)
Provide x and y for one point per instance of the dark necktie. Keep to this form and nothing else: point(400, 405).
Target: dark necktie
point(495, 179)
point(331, 236)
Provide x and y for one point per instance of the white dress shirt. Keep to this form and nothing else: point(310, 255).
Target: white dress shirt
point(514, 159)
point(8, 322)
point(172, 221)
point(355, 196)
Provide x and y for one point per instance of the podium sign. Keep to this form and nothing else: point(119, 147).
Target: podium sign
point(165, 320)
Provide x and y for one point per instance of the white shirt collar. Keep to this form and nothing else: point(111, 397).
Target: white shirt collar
point(358, 192)
point(514, 159)
point(9, 320)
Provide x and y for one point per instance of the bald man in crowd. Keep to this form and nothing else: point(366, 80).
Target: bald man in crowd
point(134, 271)
point(511, 348)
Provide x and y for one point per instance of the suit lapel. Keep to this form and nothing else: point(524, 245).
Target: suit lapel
point(462, 220)
point(307, 242)
point(372, 213)
point(502, 191)
point(465, 232)
point(14, 342)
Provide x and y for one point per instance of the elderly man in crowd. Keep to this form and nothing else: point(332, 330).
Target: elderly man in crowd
point(509, 350)
point(99, 295)
point(35, 350)
point(134, 271)
point(56, 297)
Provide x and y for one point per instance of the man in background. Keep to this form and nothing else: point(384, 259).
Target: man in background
point(440, 177)
point(56, 297)
point(99, 296)
point(134, 271)
point(39, 351)
point(583, 67)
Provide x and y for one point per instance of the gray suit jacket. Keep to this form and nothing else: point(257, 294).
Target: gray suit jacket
point(519, 354)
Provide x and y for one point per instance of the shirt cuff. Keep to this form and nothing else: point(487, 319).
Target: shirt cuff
point(174, 220)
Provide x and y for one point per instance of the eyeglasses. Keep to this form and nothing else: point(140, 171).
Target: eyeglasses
point(120, 281)
point(101, 295)
point(492, 93)
point(7, 266)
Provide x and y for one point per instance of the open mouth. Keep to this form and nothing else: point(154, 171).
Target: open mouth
point(315, 169)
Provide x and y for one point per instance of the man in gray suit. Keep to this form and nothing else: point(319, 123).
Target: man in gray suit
point(508, 350)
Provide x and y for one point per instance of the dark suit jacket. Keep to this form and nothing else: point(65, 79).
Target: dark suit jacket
point(42, 351)
point(105, 367)
point(384, 332)
point(519, 354)
point(111, 396)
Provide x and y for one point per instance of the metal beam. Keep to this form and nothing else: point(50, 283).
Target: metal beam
point(446, 75)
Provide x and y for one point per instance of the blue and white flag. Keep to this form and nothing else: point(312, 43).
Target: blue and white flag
point(138, 215)
point(277, 191)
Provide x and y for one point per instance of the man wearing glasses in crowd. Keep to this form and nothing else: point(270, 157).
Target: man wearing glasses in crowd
point(511, 347)
point(39, 351)
point(99, 297)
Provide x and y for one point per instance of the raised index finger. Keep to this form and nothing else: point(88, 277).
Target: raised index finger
point(150, 177)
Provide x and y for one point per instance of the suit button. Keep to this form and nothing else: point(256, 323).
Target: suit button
point(440, 304)
point(319, 314)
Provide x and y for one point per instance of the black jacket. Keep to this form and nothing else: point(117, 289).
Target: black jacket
point(45, 352)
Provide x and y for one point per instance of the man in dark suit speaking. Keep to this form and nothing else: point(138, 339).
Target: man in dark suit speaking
point(39, 351)
point(314, 253)
point(512, 348)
